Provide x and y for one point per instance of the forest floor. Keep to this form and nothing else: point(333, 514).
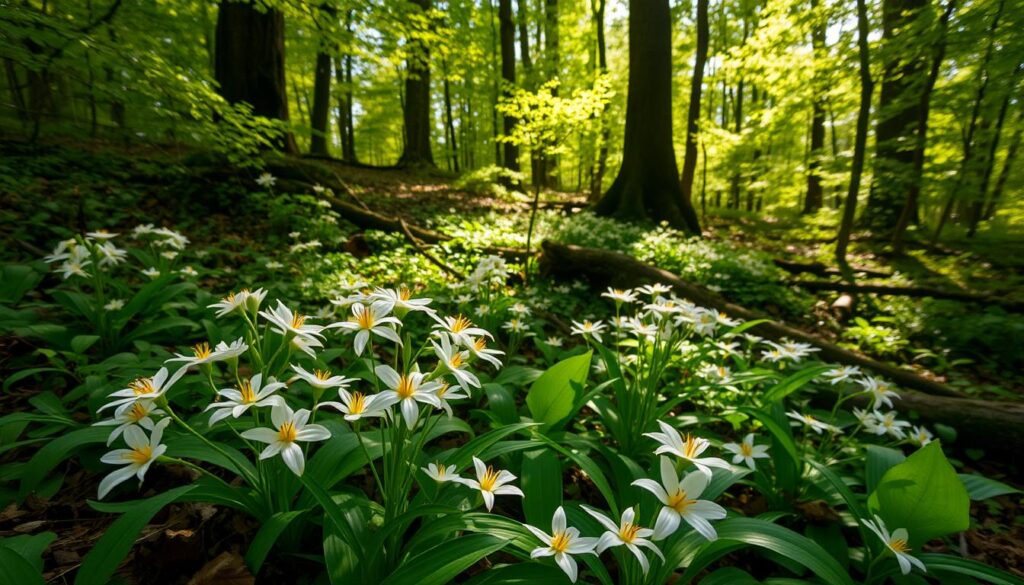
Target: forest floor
point(55, 190)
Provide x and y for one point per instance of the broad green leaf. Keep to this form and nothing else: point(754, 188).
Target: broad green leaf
point(80, 343)
point(982, 488)
point(729, 576)
point(552, 395)
point(938, 564)
point(793, 383)
point(442, 563)
point(267, 535)
point(924, 495)
point(29, 547)
point(520, 574)
point(58, 450)
point(15, 569)
point(879, 461)
point(104, 558)
point(542, 484)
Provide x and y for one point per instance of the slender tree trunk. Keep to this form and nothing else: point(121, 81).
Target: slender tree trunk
point(321, 103)
point(14, 85)
point(495, 132)
point(921, 138)
point(867, 87)
point(522, 14)
point(647, 186)
point(508, 76)
point(693, 113)
point(1004, 174)
point(416, 113)
point(453, 146)
point(814, 198)
point(598, 10)
point(734, 180)
point(978, 205)
point(553, 59)
point(250, 61)
point(972, 127)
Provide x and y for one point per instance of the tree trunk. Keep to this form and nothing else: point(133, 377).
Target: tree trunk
point(972, 127)
point(647, 186)
point(552, 56)
point(867, 87)
point(416, 110)
point(522, 12)
point(597, 179)
point(977, 208)
point(693, 113)
point(249, 63)
point(453, 146)
point(898, 114)
point(1004, 175)
point(815, 196)
point(921, 138)
point(321, 103)
point(508, 76)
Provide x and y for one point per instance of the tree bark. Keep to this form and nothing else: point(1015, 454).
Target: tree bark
point(815, 196)
point(910, 291)
point(693, 113)
point(548, 166)
point(508, 75)
point(977, 208)
point(416, 110)
point(453, 145)
point(597, 177)
point(522, 12)
point(898, 114)
point(1004, 174)
point(921, 138)
point(321, 103)
point(249, 61)
point(647, 186)
point(867, 87)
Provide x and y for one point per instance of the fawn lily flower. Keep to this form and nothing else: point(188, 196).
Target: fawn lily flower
point(356, 405)
point(290, 324)
point(250, 393)
point(587, 327)
point(266, 180)
point(441, 473)
point(62, 251)
point(306, 345)
point(399, 300)
point(679, 499)
point(230, 352)
point(289, 427)
point(520, 309)
point(654, 289)
point(101, 235)
point(921, 436)
point(128, 415)
point(746, 451)
point(490, 483)
point(480, 351)
point(880, 390)
point(812, 422)
point(201, 354)
point(370, 320)
point(888, 424)
point(136, 460)
point(689, 449)
point(236, 301)
point(896, 542)
point(145, 388)
point(620, 296)
point(151, 273)
point(321, 379)
point(626, 533)
point(114, 305)
point(837, 375)
point(407, 390)
point(454, 362)
point(555, 341)
point(72, 267)
point(563, 542)
point(110, 254)
point(867, 418)
point(444, 393)
point(461, 329)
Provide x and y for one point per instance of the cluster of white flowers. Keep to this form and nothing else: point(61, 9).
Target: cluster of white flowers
point(490, 271)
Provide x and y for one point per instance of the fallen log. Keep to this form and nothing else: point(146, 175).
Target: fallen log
point(909, 291)
point(995, 426)
point(426, 253)
point(819, 269)
point(617, 268)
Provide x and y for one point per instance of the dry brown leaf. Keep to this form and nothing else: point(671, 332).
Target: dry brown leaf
point(227, 569)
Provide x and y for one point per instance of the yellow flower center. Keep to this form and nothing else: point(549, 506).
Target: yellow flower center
point(322, 375)
point(489, 479)
point(627, 532)
point(286, 433)
point(138, 412)
point(404, 293)
point(358, 403)
point(587, 325)
point(480, 344)
point(442, 471)
point(678, 501)
point(142, 386)
point(364, 319)
point(810, 419)
point(693, 444)
point(443, 389)
point(460, 324)
point(140, 456)
point(406, 387)
point(560, 542)
point(746, 449)
point(202, 350)
point(248, 394)
point(298, 320)
point(899, 545)
point(456, 361)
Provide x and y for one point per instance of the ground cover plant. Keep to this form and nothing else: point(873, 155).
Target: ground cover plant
point(635, 292)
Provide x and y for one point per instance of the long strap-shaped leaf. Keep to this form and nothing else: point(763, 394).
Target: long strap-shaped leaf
point(442, 563)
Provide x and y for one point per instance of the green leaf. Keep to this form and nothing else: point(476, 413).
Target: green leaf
point(542, 485)
point(101, 562)
point(880, 460)
point(57, 450)
point(552, 395)
point(924, 495)
point(793, 383)
point(982, 488)
point(441, 564)
point(938, 564)
point(778, 539)
point(520, 574)
point(729, 576)
point(15, 569)
point(80, 343)
point(264, 540)
point(29, 547)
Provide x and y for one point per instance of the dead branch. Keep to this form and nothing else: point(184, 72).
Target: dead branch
point(426, 253)
point(909, 291)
